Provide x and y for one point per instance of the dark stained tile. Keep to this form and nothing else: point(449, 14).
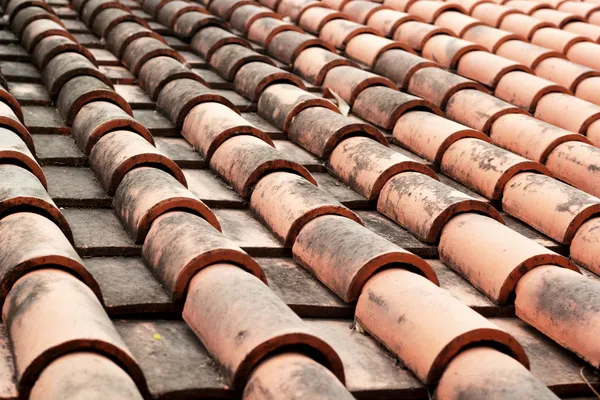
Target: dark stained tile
point(29, 93)
point(98, 232)
point(254, 119)
point(129, 287)
point(180, 151)
point(341, 192)
point(155, 122)
point(194, 60)
point(13, 52)
point(105, 57)
point(89, 40)
point(241, 227)
point(44, 120)
point(135, 96)
point(20, 72)
point(212, 190)
point(57, 150)
point(296, 153)
point(176, 43)
point(243, 104)
point(75, 26)
point(118, 75)
point(75, 187)
point(212, 79)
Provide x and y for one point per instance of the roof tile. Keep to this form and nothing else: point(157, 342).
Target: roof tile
point(313, 19)
point(524, 89)
point(314, 63)
point(228, 59)
point(263, 30)
point(523, 25)
point(212, 38)
point(368, 48)
point(448, 50)
point(487, 68)
point(574, 163)
point(424, 206)
point(338, 32)
point(416, 34)
point(241, 331)
point(492, 14)
point(188, 24)
point(253, 78)
point(349, 82)
point(108, 19)
point(387, 21)
point(457, 22)
point(492, 256)
point(244, 16)
point(567, 112)
point(293, 9)
point(169, 14)
point(438, 325)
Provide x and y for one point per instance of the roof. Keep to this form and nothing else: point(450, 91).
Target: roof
point(299, 199)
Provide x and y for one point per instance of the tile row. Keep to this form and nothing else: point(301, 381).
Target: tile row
point(301, 207)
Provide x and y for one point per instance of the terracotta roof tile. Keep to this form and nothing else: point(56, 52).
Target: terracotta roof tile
point(353, 165)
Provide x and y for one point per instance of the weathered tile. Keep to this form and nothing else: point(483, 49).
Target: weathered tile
point(75, 187)
point(44, 120)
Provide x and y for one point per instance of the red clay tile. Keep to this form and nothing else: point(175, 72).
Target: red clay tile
point(86, 374)
point(484, 167)
point(383, 106)
point(583, 9)
point(349, 82)
point(12, 122)
point(478, 110)
point(81, 90)
point(584, 248)
point(344, 255)
point(429, 135)
point(415, 34)
point(108, 19)
point(470, 5)
point(263, 30)
point(188, 24)
point(567, 112)
point(335, 4)
point(65, 66)
point(526, 53)
point(425, 326)
point(33, 241)
point(122, 35)
point(366, 165)
point(487, 68)
point(145, 193)
point(159, 71)
point(13, 150)
point(286, 46)
point(525, 90)
point(64, 317)
point(266, 324)
point(367, 48)
point(313, 19)
point(27, 15)
point(448, 50)
point(361, 10)
point(14, 6)
point(224, 8)
point(473, 371)
point(492, 14)
point(564, 72)
point(587, 89)
point(556, 39)
point(40, 29)
point(141, 50)
point(281, 102)
point(293, 376)
point(319, 130)
point(492, 256)
point(299, 202)
point(293, 9)
point(208, 125)
point(227, 60)
point(457, 22)
point(559, 303)
point(582, 53)
point(173, 249)
point(575, 163)
point(212, 38)
point(558, 18)
point(387, 21)
point(92, 8)
point(488, 37)
point(98, 118)
point(438, 85)
point(424, 206)
point(523, 25)
point(118, 152)
point(533, 198)
point(244, 160)
point(271, 4)
point(178, 97)
point(590, 31)
point(429, 10)
point(253, 78)
point(530, 137)
point(314, 63)
point(152, 7)
point(339, 32)
point(526, 6)
point(399, 66)
point(52, 46)
point(243, 17)
point(169, 14)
